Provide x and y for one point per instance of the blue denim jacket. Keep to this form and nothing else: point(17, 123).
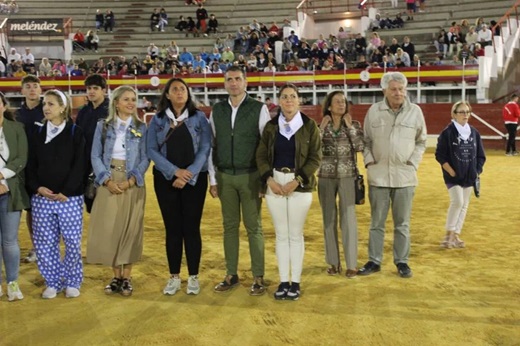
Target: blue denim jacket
point(135, 143)
point(200, 131)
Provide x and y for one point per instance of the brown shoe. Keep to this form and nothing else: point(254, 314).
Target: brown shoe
point(258, 286)
point(333, 270)
point(229, 282)
point(351, 273)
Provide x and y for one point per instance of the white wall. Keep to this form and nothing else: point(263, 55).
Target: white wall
point(326, 28)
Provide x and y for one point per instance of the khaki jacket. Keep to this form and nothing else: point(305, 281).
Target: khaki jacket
point(394, 144)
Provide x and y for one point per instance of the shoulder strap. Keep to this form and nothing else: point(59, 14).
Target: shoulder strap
point(353, 153)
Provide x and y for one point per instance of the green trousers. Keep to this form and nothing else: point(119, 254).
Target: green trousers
point(239, 196)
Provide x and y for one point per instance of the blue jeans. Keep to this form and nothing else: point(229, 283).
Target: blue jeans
point(9, 249)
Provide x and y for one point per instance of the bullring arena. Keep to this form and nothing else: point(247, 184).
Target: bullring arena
point(467, 296)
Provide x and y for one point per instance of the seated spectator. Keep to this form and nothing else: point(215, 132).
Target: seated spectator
point(464, 53)
point(28, 56)
point(386, 63)
point(163, 19)
point(484, 36)
point(415, 61)
point(219, 44)
point(252, 41)
point(199, 62)
point(261, 64)
point(99, 18)
point(155, 17)
point(403, 57)
point(471, 38)
point(270, 67)
point(463, 30)
point(215, 55)
point(14, 55)
point(478, 24)
point(191, 27)
point(212, 24)
point(472, 60)
point(58, 65)
point(361, 44)
point(92, 40)
point(78, 41)
point(408, 46)
point(374, 43)
point(152, 51)
point(109, 21)
point(326, 66)
point(215, 68)
point(479, 50)
point(287, 52)
point(442, 43)
point(186, 58)
point(320, 41)
point(125, 71)
point(294, 39)
point(154, 70)
point(292, 66)
point(173, 49)
point(274, 28)
point(399, 63)
point(252, 61)
point(393, 47)
point(147, 63)
point(18, 71)
point(228, 55)
point(342, 34)
point(375, 24)
point(28, 66)
point(76, 71)
point(182, 24)
point(398, 21)
point(13, 7)
point(254, 26)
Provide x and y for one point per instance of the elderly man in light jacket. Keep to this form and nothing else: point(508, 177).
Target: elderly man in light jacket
point(395, 134)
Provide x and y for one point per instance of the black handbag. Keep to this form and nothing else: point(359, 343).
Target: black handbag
point(359, 181)
point(476, 187)
point(90, 187)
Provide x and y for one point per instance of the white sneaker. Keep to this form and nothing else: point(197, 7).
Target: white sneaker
point(173, 285)
point(193, 285)
point(31, 257)
point(13, 291)
point(49, 293)
point(71, 292)
point(1, 293)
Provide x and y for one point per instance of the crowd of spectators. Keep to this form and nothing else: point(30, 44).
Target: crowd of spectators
point(465, 42)
point(9, 7)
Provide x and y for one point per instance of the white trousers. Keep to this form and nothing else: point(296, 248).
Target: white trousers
point(394, 3)
point(288, 214)
point(459, 201)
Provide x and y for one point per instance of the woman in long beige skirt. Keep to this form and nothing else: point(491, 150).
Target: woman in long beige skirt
point(119, 161)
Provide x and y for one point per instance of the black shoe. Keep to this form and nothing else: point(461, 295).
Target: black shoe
point(404, 270)
point(281, 292)
point(294, 291)
point(369, 268)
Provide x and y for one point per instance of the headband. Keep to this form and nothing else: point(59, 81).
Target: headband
point(62, 96)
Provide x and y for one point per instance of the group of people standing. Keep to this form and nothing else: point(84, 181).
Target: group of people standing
point(283, 159)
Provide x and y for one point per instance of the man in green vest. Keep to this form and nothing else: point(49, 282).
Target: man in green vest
point(237, 125)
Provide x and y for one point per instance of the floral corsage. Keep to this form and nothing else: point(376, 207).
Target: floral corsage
point(136, 133)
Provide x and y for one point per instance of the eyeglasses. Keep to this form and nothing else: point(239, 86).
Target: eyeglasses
point(463, 112)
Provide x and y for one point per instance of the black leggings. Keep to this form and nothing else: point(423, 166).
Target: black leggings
point(181, 210)
point(511, 139)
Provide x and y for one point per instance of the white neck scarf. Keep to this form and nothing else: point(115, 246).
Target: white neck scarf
point(53, 130)
point(177, 120)
point(464, 131)
point(288, 129)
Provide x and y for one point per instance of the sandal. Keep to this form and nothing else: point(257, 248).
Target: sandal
point(458, 242)
point(449, 241)
point(114, 286)
point(333, 270)
point(126, 287)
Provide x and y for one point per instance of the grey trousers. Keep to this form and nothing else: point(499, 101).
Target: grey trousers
point(328, 191)
point(400, 199)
